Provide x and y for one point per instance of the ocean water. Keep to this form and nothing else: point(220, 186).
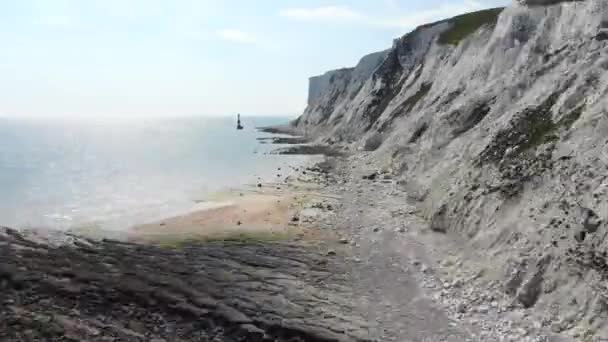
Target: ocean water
point(115, 174)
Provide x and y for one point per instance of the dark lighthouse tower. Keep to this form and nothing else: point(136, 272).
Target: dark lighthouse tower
point(238, 122)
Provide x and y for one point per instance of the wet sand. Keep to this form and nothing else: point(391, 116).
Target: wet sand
point(261, 215)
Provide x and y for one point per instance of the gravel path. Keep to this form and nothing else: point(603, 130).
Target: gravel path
point(386, 264)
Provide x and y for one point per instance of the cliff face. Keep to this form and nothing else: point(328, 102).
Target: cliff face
point(497, 124)
point(335, 90)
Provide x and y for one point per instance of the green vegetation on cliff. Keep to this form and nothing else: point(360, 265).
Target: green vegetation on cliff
point(464, 25)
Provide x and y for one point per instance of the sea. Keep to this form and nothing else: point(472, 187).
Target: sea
point(110, 175)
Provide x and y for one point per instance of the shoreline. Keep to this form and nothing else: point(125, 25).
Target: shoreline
point(266, 214)
point(266, 210)
point(370, 270)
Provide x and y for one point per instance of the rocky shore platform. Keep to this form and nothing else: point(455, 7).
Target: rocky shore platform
point(372, 272)
point(213, 291)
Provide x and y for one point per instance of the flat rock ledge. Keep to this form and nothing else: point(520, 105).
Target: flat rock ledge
point(215, 291)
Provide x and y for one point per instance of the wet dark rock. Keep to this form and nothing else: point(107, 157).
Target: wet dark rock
point(280, 129)
point(324, 150)
point(283, 140)
point(220, 291)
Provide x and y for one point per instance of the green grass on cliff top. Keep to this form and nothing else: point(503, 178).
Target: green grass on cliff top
point(464, 25)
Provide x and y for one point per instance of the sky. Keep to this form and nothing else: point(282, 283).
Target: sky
point(132, 58)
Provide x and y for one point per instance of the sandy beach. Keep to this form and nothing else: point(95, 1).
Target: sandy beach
point(266, 212)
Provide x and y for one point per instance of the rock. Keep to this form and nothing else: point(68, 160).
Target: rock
point(592, 221)
point(259, 185)
point(457, 283)
point(439, 221)
point(331, 252)
point(531, 290)
point(252, 333)
point(483, 309)
point(344, 241)
point(204, 291)
point(137, 326)
point(373, 142)
point(556, 328)
point(371, 176)
point(295, 219)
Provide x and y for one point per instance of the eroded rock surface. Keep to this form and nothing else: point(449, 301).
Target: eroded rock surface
point(224, 291)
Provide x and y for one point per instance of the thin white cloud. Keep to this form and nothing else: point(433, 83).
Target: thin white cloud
point(406, 22)
point(443, 11)
point(132, 9)
point(238, 36)
point(58, 21)
point(58, 15)
point(327, 13)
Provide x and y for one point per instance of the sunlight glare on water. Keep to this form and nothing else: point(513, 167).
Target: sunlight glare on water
point(112, 175)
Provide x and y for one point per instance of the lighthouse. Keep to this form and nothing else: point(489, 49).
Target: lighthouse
point(238, 122)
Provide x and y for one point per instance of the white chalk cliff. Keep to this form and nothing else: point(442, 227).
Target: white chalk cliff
point(496, 123)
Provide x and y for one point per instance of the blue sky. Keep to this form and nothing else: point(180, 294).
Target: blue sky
point(118, 58)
